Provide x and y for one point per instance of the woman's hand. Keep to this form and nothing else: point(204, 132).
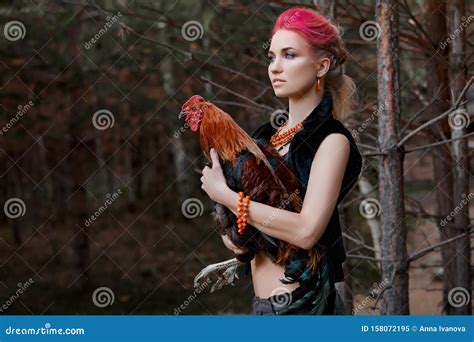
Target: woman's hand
point(230, 245)
point(213, 180)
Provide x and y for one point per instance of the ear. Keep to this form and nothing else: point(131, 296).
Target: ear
point(323, 65)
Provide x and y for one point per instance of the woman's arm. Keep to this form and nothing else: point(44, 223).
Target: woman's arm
point(304, 229)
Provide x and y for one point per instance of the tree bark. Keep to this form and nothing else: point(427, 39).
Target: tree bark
point(441, 155)
point(179, 154)
point(456, 10)
point(326, 8)
point(394, 253)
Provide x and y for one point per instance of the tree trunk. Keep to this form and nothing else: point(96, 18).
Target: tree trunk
point(373, 223)
point(441, 155)
point(326, 8)
point(179, 154)
point(394, 253)
point(456, 10)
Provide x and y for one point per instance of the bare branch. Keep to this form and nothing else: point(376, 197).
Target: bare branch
point(456, 105)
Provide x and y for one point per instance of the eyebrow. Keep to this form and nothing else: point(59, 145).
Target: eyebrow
point(284, 49)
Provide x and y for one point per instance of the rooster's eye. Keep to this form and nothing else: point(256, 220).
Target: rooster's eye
point(193, 108)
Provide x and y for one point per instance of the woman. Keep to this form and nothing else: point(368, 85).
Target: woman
point(305, 59)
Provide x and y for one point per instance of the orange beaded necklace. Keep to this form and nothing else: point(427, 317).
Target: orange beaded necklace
point(279, 139)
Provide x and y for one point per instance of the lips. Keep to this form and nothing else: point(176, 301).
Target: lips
point(275, 80)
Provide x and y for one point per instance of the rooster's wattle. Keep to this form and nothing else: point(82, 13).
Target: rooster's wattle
point(249, 166)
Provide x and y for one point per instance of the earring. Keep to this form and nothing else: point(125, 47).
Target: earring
point(318, 85)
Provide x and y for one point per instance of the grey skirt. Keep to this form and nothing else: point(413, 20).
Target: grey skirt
point(267, 307)
point(263, 307)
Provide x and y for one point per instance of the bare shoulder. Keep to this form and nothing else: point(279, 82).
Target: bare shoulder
point(335, 146)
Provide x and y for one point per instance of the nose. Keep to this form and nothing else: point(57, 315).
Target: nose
point(276, 67)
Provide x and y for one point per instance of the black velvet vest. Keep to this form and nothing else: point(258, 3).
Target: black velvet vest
point(317, 126)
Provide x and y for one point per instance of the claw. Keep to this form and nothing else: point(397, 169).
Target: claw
point(225, 272)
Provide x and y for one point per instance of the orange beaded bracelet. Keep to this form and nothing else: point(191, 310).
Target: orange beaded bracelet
point(242, 212)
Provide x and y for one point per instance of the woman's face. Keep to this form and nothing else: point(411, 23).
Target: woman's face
point(294, 61)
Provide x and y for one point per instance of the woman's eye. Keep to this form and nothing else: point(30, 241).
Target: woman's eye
point(270, 58)
point(290, 55)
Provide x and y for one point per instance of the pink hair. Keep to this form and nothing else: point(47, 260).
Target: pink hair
point(316, 28)
point(325, 37)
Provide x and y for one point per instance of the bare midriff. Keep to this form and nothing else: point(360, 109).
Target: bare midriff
point(266, 275)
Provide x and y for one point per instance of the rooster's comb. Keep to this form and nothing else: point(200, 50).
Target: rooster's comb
point(194, 99)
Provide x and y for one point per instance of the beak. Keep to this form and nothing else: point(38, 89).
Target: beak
point(182, 114)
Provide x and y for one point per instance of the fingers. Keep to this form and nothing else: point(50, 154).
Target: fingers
point(214, 158)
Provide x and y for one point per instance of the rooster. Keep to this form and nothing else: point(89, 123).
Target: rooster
point(252, 167)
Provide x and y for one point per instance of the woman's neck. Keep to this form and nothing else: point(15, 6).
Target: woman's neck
point(302, 106)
